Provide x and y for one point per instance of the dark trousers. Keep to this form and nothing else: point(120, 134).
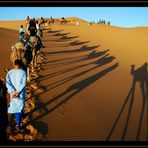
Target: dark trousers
point(18, 117)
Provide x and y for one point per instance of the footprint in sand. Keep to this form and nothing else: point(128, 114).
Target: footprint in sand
point(32, 130)
point(12, 138)
point(34, 74)
point(38, 91)
point(34, 86)
point(28, 95)
point(63, 113)
point(32, 105)
point(6, 70)
point(26, 119)
point(28, 138)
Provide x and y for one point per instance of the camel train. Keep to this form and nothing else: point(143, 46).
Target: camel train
point(28, 47)
point(45, 23)
point(27, 50)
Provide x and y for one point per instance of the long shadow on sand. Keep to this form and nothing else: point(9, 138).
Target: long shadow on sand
point(57, 31)
point(93, 53)
point(139, 75)
point(61, 34)
point(75, 43)
point(62, 37)
point(100, 62)
point(103, 60)
point(74, 89)
point(82, 49)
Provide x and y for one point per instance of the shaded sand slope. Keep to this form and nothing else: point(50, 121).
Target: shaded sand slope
point(7, 39)
point(87, 79)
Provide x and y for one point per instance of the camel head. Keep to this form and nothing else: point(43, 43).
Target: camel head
point(17, 51)
point(33, 41)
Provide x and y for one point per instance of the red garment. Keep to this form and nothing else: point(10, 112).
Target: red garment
point(28, 18)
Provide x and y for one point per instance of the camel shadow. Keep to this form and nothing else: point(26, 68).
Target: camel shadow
point(61, 34)
point(91, 55)
point(68, 38)
point(139, 75)
point(76, 43)
point(50, 31)
point(82, 49)
point(74, 89)
point(102, 60)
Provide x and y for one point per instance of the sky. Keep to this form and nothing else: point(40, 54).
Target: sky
point(118, 16)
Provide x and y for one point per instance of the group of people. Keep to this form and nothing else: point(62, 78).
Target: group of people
point(16, 80)
point(33, 27)
point(103, 22)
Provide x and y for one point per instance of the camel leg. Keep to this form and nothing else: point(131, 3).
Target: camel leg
point(28, 75)
point(33, 57)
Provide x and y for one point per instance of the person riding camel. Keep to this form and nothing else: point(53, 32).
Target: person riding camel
point(21, 32)
point(39, 31)
point(28, 19)
point(33, 31)
point(42, 20)
point(32, 28)
point(37, 26)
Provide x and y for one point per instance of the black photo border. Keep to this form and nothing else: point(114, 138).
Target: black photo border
point(75, 3)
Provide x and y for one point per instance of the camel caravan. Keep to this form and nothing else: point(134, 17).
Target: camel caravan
point(27, 49)
point(45, 23)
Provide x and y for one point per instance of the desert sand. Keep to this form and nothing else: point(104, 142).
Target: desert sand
point(86, 87)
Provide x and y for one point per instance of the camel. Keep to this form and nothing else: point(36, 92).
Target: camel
point(63, 21)
point(51, 21)
point(40, 33)
point(35, 48)
point(22, 51)
point(43, 23)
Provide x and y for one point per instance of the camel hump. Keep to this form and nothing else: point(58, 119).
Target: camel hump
point(19, 45)
point(32, 39)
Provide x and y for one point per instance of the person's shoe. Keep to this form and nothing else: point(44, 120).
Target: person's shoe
point(17, 129)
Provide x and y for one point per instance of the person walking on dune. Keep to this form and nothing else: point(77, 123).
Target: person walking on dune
point(77, 23)
point(16, 85)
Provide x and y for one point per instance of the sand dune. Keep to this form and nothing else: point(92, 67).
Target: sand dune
point(86, 80)
point(7, 39)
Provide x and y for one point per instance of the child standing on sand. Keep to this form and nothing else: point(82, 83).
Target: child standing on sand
point(16, 85)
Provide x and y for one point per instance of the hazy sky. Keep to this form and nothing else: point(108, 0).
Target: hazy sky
point(118, 16)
